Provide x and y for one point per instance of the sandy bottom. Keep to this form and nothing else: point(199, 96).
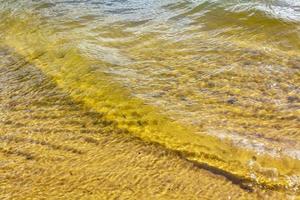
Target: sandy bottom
point(54, 148)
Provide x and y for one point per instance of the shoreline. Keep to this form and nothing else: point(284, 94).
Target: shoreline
point(54, 148)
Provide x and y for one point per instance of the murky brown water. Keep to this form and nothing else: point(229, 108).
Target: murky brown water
point(216, 82)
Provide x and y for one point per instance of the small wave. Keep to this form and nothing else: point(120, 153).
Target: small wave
point(175, 74)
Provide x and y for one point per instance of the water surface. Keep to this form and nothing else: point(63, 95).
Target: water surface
point(216, 81)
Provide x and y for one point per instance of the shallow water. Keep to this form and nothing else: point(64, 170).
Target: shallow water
point(216, 81)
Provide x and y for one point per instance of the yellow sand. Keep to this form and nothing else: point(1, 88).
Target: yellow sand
point(53, 148)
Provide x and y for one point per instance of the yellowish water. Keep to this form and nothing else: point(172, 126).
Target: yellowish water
point(222, 94)
point(54, 148)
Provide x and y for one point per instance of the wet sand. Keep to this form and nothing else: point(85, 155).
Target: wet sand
point(54, 148)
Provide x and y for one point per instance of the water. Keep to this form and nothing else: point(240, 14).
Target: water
point(216, 81)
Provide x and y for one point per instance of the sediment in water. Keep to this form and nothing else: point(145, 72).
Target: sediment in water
point(54, 147)
point(75, 74)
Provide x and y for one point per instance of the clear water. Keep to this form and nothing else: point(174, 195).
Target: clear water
point(216, 81)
